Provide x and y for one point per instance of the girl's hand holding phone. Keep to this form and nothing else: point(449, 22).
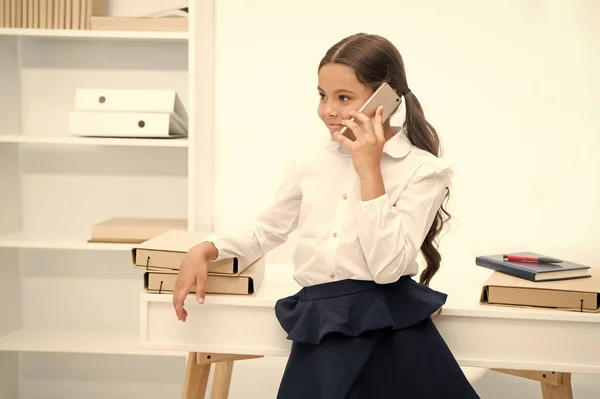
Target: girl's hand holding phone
point(366, 150)
point(193, 271)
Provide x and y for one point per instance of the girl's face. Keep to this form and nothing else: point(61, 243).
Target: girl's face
point(340, 92)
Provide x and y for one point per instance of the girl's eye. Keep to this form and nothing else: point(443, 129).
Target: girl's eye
point(344, 98)
point(322, 96)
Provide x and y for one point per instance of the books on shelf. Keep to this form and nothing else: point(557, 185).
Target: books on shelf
point(172, 20)
point(128, 113)
point(133, 230)
point(161, 256)
point(50, 14)
point(85, 15)
point(139, 24)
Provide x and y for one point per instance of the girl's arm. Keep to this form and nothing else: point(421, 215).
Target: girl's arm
point(391, 234)
point(269, 230)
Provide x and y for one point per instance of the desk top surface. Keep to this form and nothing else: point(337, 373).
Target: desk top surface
point(463, 284)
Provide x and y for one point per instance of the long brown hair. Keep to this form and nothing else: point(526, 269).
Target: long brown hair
point(376, 60)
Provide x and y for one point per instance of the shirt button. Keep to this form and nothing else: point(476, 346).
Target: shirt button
point(332, 275)
point(334, 235)
point(344, 196)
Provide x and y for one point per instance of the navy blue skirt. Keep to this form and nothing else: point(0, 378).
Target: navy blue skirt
point(361, 340)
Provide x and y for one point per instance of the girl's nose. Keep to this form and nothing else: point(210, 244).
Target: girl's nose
point(330, 110)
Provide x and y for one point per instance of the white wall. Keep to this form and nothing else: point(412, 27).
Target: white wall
point(511, 86)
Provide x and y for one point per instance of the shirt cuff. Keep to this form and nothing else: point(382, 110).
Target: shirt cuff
point(375, 203)
point(220, 242)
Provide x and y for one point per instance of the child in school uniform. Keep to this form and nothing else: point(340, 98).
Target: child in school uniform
point(365, 204)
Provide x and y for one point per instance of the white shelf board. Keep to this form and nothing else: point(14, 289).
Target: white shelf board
point(33, 240)
point(92, 141)
point(95, 34)
point(43, 339)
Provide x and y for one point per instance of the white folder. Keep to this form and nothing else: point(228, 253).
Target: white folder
point(126, 124)
point(131, 100)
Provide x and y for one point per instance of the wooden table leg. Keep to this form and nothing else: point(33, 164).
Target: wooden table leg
point(221, 380)
point(554, 385)
point(196, 378)
point(198, 371)
point(562, 389)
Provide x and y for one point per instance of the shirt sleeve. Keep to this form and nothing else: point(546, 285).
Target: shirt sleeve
point(391, 235)
point(270, 229)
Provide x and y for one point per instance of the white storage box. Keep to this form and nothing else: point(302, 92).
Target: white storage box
point(134, 100)
point(125, 124)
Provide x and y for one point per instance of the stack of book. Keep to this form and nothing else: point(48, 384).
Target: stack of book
point(161, 258)
point(130, 113)
point(50, 14)
point(527, 279)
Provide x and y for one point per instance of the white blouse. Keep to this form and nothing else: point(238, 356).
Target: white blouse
point(339, 235)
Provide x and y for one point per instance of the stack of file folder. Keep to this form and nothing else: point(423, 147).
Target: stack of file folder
point(560, 285)
point(134, 113)
point(161, 257)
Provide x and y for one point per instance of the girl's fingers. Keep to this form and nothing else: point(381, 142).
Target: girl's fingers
point(365, 121)
point(356, 129)
point(200, 288)
point(343, 140)
point(379, 123)
point(179, 296)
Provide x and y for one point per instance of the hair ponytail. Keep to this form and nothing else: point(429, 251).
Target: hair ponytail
point(423, 135)
point(375, 60)
point(419, 131)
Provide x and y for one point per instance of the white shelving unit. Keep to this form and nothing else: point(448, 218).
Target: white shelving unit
point(54, 187)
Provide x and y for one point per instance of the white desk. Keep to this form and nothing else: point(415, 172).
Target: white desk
point(514, 338)
point(478, 335)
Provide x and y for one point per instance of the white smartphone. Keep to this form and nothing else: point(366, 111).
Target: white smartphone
point(384, 95)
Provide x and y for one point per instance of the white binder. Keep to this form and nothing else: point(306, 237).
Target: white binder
point(132, 100)
point(126, 124)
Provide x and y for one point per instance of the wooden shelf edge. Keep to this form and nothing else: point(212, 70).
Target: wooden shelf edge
point(76, 341)
point(33, 241)
point(93, 141)
point(94, 34)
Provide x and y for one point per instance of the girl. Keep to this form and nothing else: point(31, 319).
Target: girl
point(364, 205)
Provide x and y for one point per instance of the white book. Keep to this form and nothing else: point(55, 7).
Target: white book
point(125, 124)
point(133, 100)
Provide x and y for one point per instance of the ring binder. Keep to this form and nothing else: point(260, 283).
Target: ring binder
point(147, 263)
point(160, 287)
